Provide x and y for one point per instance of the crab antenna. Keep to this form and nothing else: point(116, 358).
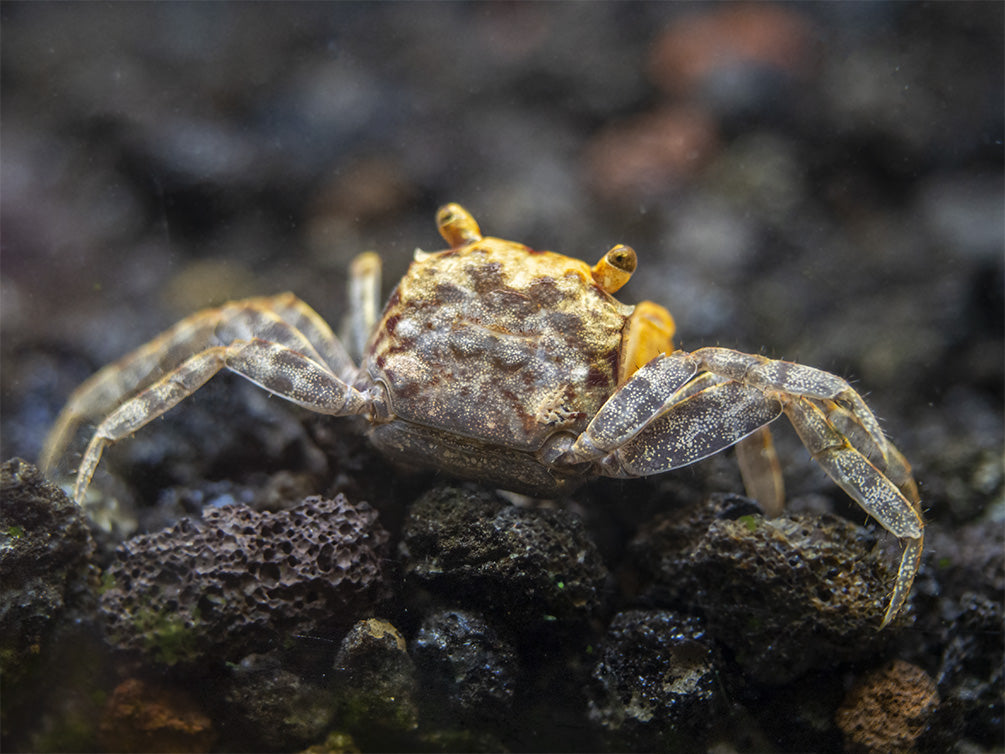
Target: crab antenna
point(614, 268)
point(457, 225)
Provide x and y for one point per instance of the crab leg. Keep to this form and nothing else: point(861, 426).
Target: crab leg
point(846, 441)
point(644, 397)
point(700, 425)
point(772, 375)
point(284, 319)
point(104, 389)
point(275, 367)
point(867, 485)
point(894, 465)
point(364, 301)
point(293, 311)
point(762, 471)
point(733, 398)
point(649, 393)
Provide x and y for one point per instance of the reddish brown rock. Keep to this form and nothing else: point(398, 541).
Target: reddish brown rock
point(142, 717)
point(888, 710)
point(652, 152)
point(758, 34)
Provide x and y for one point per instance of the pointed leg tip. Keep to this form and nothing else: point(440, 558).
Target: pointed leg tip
point(897, 601)
point(888, 618)
point(909, 564)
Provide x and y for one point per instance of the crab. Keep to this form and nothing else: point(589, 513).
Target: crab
point(518, 368)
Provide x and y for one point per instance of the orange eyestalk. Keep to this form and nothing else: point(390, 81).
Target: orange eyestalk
point(457, 226)
point(615, 268)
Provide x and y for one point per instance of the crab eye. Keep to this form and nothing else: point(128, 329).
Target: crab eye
point(457, 226)
point(623, 257)
point(615, 268)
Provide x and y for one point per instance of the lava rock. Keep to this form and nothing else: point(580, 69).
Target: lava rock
point(274, 706)
point(45, 551)
point(375, 686)
point(659, 554)
point(786, 595)
point(888, 710)
point(237, 581)
point(654, 685)
point(467, 667)
point(970, 561)
point(527, 566)
point(791, 594)
point(140, 716)
point(960, 635)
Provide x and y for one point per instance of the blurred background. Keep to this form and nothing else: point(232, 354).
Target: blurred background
point(818, 182)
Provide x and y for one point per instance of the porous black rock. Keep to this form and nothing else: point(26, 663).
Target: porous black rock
point(654, 684)
point(238, 581)
point(468, 668)
point(470, 547)
point(971, 675)
point(786, 595)
point(272, 707)
point(374, 683)
point(791, 594)
point(45, 551)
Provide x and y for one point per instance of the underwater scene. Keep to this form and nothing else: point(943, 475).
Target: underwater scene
point(545, 377)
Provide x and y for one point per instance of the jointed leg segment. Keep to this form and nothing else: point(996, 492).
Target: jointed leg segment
point(895, 506)
point(277, 342)
point(665, 417)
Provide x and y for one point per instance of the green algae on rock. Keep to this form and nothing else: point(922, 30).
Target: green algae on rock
point(45, 551)
point(376, 694)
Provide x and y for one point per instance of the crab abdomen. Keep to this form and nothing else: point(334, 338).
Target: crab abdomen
point(420, 446)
